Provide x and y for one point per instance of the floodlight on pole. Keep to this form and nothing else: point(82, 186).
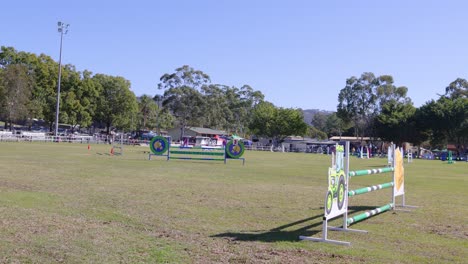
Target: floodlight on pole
point(62, 29)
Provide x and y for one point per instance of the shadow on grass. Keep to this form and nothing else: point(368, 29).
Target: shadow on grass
point(103, 154)
point(280, 233)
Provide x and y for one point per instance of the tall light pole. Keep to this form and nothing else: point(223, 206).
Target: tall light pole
point(62, 29)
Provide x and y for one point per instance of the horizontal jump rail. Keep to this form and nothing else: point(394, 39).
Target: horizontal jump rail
point(368, 214)
point(198, 147)
point(207, 153)
point(370, 189)
point(371, 171)
point(190, 158)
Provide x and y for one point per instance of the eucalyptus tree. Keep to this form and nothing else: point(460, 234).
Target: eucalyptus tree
point(186, 104)
point(457, 89)
point(165, 120)
point(394, 112)
point(248, 99)
point(363, 100)
point(386, 91)
point(147, 112)
point(216, 109)
point(356, 101)
point(241, 102)
point(182, 95)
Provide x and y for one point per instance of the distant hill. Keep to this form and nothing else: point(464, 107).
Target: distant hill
point(309, 113)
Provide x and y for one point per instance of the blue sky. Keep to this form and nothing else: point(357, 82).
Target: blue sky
point(298, 53)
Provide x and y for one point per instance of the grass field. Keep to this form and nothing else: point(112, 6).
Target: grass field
point(65, 203)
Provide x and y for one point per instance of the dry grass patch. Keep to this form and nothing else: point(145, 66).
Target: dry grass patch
point(63, 203)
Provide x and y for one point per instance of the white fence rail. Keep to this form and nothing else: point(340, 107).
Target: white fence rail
point(10, 137)
point(70, 139)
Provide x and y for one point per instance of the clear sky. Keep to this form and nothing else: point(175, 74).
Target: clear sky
point(298, 53)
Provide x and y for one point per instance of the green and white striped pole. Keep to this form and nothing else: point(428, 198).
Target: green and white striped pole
point(371, 171)
point(368, 214)
point(370, 188)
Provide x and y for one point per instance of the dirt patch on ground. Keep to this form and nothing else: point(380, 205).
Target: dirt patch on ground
point(449, 230)
point(204, 249)
point(14, 185)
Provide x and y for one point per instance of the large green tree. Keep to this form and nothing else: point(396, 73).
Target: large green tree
point(148, 112)
point(230, 107)
point(394, 123)
point(216, 110)
point(182, 94)
point(447, 119)
point(263, 119)
point(325, 125)
point(394, 113)
point(16, 89)
point(386, 92)
point(319, 121)
point(289, 122)
point(186, 104)
point(315, 133)
point(356, 102)
point(79, 98)
point(364, 98)
point(45, 88)
point(241, 105)
point(44, 71)
point(117, 105)
point(335, 126)
point(165, 120)
point(277, 123)
point(457, 89)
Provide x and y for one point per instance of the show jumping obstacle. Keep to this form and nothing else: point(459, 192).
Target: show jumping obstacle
point(117, 147)
point(161, 146)
point(336, 202)
point(364, 154)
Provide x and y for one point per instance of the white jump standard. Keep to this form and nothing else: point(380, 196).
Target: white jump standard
point(336, 199)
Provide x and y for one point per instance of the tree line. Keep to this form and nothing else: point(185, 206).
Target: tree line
point(368, 105)
point(28, 90)
point(373, 106)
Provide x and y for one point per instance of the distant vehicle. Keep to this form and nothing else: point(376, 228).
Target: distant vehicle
point(145, 135)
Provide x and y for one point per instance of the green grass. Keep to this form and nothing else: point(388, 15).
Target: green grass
point(63, 203)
